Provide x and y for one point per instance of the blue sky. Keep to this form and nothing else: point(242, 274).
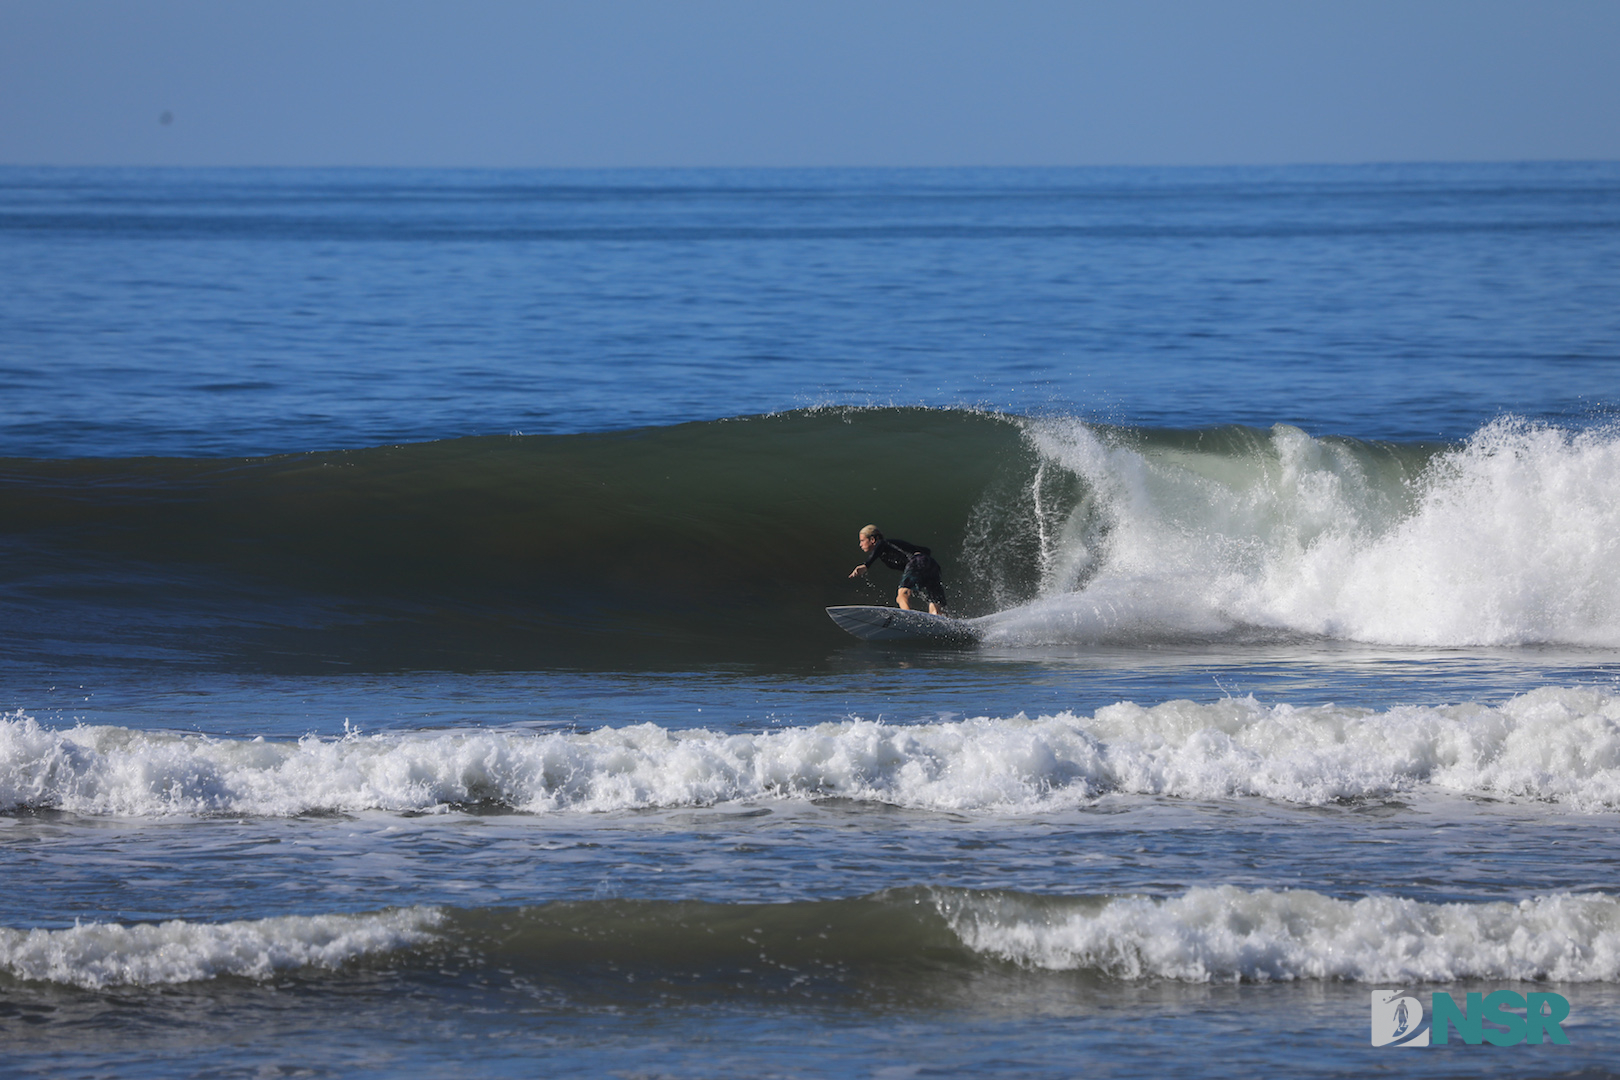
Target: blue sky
point(732, 83)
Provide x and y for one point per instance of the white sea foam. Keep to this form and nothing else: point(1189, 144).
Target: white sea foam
point(1553, 744)
point(1510, 539)
point(94, 955)
point(1228, 934)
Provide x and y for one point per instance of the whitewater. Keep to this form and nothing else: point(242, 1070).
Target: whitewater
point(1509, 539)
point(1550, 745)
point(1206, 935)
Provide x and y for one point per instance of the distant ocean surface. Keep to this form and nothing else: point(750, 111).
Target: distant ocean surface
point(413, 663)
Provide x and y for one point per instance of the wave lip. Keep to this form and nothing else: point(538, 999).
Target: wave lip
point(97, 955)
point(1551, 744)
point(1227, 934)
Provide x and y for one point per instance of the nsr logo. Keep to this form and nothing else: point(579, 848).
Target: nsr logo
point(1398, 1020)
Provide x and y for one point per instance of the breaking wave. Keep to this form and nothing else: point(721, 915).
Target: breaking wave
point(1552, 744)
point(1228, 934)
point(917, 938)
point(95, 955)
point(1510, 539)
point(724, 540)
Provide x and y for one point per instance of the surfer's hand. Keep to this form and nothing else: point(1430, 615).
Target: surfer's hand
point(858, 571)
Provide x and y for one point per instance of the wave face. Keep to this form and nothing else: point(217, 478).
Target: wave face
point(1555, 745)
point(915, 938)
point(657, 547)
point(724, 540)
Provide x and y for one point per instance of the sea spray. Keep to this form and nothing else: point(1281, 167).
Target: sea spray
point(1512, 538)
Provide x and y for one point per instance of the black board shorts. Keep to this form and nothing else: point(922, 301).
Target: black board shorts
point(925, 583)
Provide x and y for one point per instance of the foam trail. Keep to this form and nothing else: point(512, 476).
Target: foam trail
point(1512, 538)
point(1553, 744)
point(94, 955)
point(1227, 934)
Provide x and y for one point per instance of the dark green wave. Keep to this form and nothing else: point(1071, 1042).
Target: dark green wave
point(719, 540)
point(895, 947)
point(706, 542)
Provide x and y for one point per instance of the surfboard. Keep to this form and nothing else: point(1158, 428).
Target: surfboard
point(897, 624)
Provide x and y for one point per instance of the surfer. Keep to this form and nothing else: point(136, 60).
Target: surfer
point(919, 572)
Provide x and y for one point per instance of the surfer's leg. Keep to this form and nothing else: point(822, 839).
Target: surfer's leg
point(903, 598)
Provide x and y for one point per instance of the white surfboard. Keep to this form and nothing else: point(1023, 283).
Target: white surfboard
point(897, 624)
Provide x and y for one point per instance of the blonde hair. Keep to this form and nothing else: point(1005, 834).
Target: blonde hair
point(871, 530)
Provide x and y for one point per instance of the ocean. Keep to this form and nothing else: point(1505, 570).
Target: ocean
point(413, 660)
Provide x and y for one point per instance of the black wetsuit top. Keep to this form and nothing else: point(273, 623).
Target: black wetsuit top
point(894, 553)
point(922, 578)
